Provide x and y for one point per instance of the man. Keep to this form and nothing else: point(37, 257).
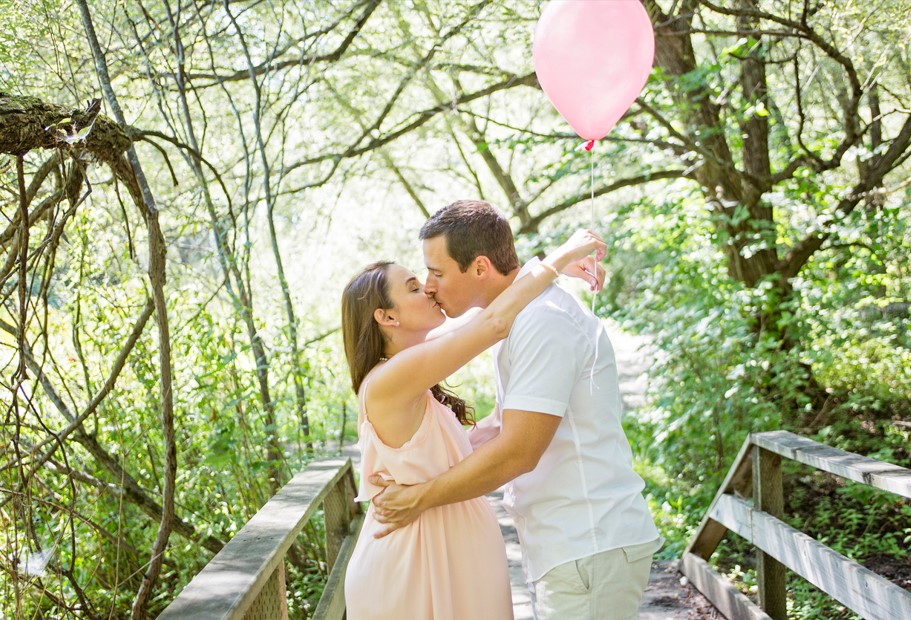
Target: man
point(586, 532)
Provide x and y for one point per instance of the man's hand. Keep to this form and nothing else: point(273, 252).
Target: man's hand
point(396, 506)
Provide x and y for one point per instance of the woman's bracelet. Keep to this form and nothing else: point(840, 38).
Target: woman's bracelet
point(551, 268)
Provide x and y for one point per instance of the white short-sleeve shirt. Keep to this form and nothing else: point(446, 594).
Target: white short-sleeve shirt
point(583, 497)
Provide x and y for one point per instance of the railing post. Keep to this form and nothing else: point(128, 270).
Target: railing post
point(768, 497)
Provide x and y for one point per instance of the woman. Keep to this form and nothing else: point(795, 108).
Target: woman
point(451, 562)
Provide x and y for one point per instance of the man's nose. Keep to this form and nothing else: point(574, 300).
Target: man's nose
point(430, 286)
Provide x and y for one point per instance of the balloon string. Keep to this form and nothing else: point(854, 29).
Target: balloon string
point(591, 378)
point(591, 159)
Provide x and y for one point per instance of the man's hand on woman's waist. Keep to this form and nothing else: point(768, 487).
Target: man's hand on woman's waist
point(396, 505)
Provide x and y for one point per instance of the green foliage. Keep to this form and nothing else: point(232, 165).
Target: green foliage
point(716, 377)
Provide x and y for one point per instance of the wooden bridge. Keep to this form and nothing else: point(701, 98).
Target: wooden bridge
point(247, 578)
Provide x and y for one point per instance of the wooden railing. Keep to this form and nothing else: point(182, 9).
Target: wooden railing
point(246, 579)
point(757, 472)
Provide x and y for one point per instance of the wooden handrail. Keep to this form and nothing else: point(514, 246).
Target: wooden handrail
point(246, 579)
point(757, 472)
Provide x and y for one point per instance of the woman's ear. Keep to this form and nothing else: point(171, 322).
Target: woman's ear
point(382, 318)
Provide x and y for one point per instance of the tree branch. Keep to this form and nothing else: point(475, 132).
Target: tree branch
point(529, 79)
point(647, 177)
point(791, 265)
point(804, 29)
point(157, 259)
point(271, 66)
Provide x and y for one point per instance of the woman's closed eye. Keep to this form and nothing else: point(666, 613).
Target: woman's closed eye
point(414, 286)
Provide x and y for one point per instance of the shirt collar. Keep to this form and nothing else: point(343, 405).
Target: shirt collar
point(528, 266)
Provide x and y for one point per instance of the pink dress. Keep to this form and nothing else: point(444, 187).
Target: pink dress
point(450, 564)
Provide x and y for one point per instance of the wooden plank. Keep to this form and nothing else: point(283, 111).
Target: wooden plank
point(768, 497)
point(728, 511)
point(710, 533)
point(331, 604)
point(727, 599)
point(230, 582)
point(878, 474)
point(858, 588)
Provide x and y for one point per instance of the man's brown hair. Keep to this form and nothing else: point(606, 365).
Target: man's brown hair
point(474, 228)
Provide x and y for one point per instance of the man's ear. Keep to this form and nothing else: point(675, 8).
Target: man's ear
point(482, 267)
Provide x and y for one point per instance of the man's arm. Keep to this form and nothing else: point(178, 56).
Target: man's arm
point(516, 450)
point(535, 399)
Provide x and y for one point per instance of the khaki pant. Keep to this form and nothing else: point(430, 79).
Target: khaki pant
point(604, 586)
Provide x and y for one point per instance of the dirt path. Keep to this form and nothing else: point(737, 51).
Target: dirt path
point(667, 596)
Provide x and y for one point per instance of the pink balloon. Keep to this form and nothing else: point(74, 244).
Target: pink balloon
point(592, 58)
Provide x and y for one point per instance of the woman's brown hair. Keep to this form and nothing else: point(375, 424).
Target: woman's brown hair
point(363, 339)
